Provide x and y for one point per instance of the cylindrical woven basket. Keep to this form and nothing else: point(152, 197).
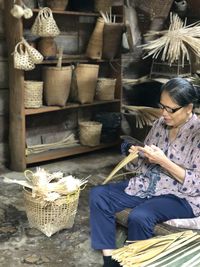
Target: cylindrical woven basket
point(90, 133)
point(112, 39)
point(33, 91)
point(84, 83)
point(57, 4)
point(51, 217)
point(105, 89)
point(57, 82)
point(95, 45)
point(102, 5)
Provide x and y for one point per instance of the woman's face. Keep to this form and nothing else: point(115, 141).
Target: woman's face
point(178, 115)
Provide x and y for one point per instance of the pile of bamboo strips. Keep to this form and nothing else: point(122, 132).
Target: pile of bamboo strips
point(176, 43)
point(143, 115)
point(65, 142)
point(178, 249)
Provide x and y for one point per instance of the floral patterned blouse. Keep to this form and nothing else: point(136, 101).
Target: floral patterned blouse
point(153, 180)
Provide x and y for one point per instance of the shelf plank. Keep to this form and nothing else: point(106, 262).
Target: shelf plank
point(72, 13)
point(65, 152)
point(45, 109)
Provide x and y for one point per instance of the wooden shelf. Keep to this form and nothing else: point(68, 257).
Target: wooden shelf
point(45, 109)
point(75, 59)
point(64, 152)
point(72, 13)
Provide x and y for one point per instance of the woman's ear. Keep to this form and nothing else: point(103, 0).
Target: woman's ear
point(190, 108)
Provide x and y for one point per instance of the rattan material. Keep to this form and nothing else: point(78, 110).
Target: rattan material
point(84, 83)
point(90, 133)
point(57, 82)
point(102, 5)
point(51, 217)
point(57, 4)
point(33, 91)
point(95, 45)
point(105, 89)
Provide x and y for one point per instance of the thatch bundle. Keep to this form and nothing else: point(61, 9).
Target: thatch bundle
point(176, 43)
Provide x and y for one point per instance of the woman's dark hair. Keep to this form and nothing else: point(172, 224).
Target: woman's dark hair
point(181, 91)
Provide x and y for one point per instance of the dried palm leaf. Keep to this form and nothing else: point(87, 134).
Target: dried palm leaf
point(120, 165)
point(176, 43)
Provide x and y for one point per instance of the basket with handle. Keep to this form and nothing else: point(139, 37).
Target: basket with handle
point(51, 217)
point(33, 91)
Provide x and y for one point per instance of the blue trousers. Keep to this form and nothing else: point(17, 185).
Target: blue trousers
point(106, 200)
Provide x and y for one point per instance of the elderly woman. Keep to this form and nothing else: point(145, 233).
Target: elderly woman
point(168, 185)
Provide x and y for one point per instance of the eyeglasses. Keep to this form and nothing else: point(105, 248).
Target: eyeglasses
point(168, 109)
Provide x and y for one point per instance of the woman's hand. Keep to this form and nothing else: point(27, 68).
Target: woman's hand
point(133, 149)
point(154, 154)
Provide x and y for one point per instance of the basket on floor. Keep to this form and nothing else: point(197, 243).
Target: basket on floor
point(51, 217)
point(90, 133)
point(33, 91)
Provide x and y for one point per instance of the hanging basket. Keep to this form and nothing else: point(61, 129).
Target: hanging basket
point(51, 217)
point(105, 89)
point(90, 133)
point(33, 94)
point(58, 5)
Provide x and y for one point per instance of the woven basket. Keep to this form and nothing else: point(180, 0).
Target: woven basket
point(105, 89)
point(112, 39)
point(95, 45)
point(57, 4)
point(84, 83)
point(102, 5)
point(90, 133)
point(33, 91)
point(51, 217)
point(57, 83)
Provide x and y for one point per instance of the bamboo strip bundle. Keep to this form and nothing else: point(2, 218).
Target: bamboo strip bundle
point(65, 142)
point(176, 43)
point(120, 165)
point(143, 115)
point(147, 252)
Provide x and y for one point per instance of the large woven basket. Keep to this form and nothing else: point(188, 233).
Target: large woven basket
point(57, 82)
point(90, 133)
point(58, 5)
point(33, 91)
point(105, 89)
point(102, 5)
point(51, 217)
point(84, 83)
point(95, 44)
point(112, 39)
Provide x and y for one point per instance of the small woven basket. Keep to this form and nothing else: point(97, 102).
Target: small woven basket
point(90, 133)
point(33, 91)
point(51, 217)
point(105, 89)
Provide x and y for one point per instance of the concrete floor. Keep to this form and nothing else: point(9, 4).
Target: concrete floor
point(22, 246)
